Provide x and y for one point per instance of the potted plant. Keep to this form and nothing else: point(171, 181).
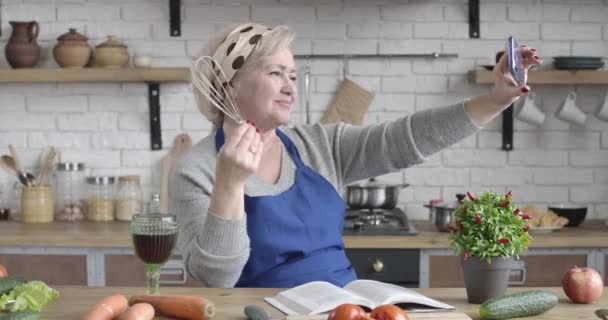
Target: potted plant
point(490, 230)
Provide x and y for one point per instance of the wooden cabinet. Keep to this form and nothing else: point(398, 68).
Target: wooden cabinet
point(397, 266)
point(53, 269)
point(544, 270)
point(129, 271)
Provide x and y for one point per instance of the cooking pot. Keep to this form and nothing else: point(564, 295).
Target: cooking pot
point(373, 195)
point(442, 212)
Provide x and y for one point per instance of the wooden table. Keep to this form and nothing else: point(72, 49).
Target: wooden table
point(75, 301)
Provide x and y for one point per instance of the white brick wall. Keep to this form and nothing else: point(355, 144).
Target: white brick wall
point(106, 125)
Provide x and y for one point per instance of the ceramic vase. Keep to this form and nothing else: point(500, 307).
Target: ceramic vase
point(22, 50)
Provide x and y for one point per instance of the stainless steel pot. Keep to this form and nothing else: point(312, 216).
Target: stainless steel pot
point(442, 213)
point(373, 195)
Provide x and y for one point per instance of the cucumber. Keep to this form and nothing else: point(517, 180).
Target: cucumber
point(9, 283)
point(522, 304)
point(20, 315)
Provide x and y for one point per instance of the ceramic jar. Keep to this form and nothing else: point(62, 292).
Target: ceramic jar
point(111, 54)
point(22, 50)
point(72, 50)
point(37, 204)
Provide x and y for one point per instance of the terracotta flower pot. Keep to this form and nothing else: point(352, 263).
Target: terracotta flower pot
point(22, 50)
point(485, 280)
point(72, 50)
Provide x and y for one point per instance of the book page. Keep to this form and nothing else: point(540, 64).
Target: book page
point(385, 293)
point(314, 298)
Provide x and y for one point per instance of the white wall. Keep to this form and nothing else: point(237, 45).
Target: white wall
point(106, 125)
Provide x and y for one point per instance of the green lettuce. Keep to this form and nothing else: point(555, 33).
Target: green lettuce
point(29, 296)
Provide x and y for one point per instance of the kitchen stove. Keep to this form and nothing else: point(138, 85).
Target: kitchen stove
point(377, 222)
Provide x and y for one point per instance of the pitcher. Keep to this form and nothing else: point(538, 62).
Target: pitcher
point(22, 50)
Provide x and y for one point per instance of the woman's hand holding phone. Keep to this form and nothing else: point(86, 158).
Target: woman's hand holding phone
point(511, 72)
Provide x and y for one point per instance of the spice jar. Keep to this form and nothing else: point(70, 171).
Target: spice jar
point(100, 201)
point(70, 204)
point(129, 199)
point(154, 204)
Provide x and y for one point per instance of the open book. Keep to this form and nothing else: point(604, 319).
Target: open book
point(319, 296)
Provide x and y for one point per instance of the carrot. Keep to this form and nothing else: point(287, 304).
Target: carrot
point(179, 306)
point(138, 311)
point(108, 308)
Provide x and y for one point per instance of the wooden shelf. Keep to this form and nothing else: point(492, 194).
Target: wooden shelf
point(57, 75)
point(549, 77)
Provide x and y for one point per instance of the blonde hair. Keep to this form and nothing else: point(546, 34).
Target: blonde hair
point(271, 43)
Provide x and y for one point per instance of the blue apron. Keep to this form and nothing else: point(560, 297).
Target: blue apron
point(296, 236)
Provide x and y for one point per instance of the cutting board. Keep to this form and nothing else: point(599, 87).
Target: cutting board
point(447, 315)
point(181, 144)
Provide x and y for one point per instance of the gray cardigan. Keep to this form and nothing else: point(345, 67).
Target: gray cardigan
point(215, 249)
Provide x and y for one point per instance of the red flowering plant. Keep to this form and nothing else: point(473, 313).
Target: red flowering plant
point(489, 225)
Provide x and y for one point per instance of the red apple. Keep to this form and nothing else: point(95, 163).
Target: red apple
point(583, 285)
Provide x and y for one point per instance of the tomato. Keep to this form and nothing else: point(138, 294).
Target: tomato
point(389, 312)
point(3, 272)
point(347, 311)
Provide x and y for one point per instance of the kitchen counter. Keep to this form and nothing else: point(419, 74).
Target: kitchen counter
point(75, 301)
point(116, 235)
point(98, 250)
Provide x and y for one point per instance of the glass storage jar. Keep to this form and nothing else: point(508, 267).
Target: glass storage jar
point(69, 198)
point(100, 201)
point(129, 199)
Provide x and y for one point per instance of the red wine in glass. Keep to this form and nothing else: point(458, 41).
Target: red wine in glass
point(154, 236)
point(154, 248)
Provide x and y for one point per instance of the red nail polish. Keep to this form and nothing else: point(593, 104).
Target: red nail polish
point(524, 89)
point(533, 50)
point(257, 130)
point(537, 57)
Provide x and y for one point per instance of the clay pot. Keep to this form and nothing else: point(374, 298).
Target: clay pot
point(111, 54)
point(72, 50)
point(22, 50)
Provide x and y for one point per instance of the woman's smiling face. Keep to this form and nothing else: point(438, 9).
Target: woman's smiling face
point(266, 95)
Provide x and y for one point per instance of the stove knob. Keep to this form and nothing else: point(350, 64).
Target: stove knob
point(358, 226)
point(378, 265)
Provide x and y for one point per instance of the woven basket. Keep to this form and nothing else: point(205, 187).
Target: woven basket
point(37, 204)
point(351, 103)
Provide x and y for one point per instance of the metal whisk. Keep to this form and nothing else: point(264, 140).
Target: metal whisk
point(209, 78)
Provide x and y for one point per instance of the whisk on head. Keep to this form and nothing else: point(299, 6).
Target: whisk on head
point(209, 78)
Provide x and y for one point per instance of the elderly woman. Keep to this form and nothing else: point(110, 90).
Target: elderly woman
point(258, 203)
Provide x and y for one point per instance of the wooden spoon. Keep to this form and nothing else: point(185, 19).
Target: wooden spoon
point(182, 143)
point(46, 167)
point(25, 178)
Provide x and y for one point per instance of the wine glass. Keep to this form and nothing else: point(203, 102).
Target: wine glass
point(154, 236)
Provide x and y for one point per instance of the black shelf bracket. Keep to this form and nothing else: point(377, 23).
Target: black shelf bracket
point(507, 129)
point(474, 19)
point(175, 18)
point(154, 105)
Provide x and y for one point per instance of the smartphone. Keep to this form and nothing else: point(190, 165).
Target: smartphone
point(516, 61)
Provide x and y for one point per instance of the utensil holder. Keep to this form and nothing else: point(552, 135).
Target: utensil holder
point(37, 204)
